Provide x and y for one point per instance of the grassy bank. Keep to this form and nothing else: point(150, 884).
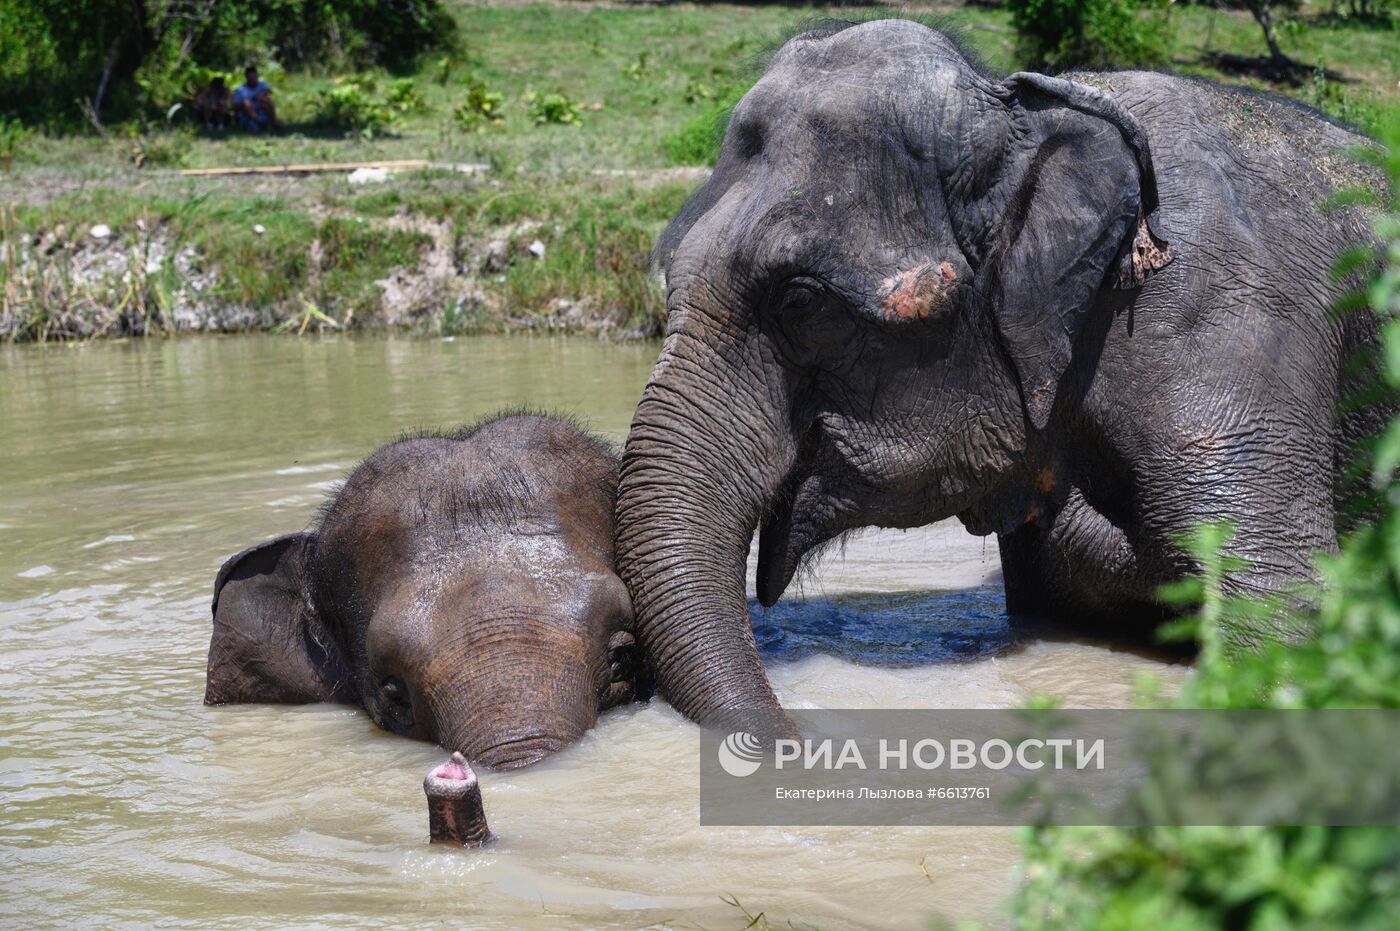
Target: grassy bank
point(434, 250)
point(639, 88)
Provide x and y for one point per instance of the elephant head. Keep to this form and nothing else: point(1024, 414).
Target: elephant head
point(460, 588)
point(871, 307)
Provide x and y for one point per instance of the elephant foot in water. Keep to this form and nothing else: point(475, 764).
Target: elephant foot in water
point(455, 813)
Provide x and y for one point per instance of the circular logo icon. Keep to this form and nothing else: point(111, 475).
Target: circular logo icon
point(740, 754)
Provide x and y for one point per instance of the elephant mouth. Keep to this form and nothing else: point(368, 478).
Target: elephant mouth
point(800, 525)
point(820, 503)
point(783, 542)
point(791, 527)
point(776, 567)
point(519, 752)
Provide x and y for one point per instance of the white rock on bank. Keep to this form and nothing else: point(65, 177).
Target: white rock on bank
point(497, 255)
point(259, 228)
point(368, 176)
point(537, 249)
point(100, 231)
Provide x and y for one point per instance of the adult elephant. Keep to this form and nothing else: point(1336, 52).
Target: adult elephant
point(1083, 314)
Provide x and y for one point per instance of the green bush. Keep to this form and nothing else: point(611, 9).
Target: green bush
point(153, 146)
point(403, 96)
point(353, 103)
point(638, 68)
point(553, 108)
point(698, 140)
point(12, 136)
point(1260, 879)
point(55, 52)
point(1366, 111)
point(480, 108)
point(697, 91)
point(1060, 34)
point(1365, 11)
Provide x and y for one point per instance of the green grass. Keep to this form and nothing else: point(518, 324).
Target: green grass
point(326, 244)
point(1365, 59)
point(590, 55)
point(594, 189)
point(579, 51)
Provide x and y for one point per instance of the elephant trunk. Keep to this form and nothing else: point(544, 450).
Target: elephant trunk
point(455, 812)
point(477, 704)
point(707, 450)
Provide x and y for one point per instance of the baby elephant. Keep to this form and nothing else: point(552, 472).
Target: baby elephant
point(460, 588)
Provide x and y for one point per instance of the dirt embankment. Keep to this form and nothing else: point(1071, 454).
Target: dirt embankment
point(333, 268)
point(94, 281)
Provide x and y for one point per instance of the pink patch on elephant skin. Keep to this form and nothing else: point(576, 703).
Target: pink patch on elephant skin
point(917, 293)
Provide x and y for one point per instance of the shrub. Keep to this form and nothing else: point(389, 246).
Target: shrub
point(152, 146)
point(1365, 110)
point(480, 108)
point(1279, 877)
point(698, 140)
point(1059, 34)
point(442, 70)
point(638, 69)
point(696, 91)
point(56, 52)
point(403, 96)
point(1377, 11)
point(553, 108)
point(12, 136)
point(351, 103)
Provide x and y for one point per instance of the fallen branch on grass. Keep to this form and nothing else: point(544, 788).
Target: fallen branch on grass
point(411, 164)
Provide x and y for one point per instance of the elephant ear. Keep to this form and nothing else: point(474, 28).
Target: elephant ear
point(1078, 221)
point(268, 645)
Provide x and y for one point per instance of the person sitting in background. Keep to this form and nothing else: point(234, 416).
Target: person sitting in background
point(212, 105)
point(252, 103)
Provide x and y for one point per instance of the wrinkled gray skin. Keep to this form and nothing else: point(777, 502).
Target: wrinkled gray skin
point(1083, 318)
point(460, 588)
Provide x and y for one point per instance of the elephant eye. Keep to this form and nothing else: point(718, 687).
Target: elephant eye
point(395, 707)
point(806, 321)
point(800, 297)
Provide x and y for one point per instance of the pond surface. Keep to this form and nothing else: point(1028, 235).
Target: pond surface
point(128, 472)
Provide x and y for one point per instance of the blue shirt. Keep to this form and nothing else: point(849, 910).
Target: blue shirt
point(244, 92)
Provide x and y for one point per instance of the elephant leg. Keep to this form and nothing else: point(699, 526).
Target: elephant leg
point(1280, 502)
point(1081, 568)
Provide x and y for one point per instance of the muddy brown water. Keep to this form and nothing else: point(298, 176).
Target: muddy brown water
point(129, 471)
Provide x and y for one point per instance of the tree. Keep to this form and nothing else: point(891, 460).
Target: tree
point(1059, 34)
point(1262, 11)
point(60, 59)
